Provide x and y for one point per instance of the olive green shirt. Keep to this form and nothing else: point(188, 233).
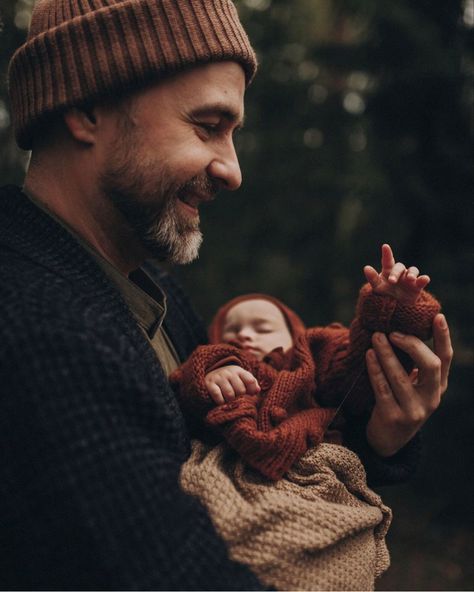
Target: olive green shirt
point(145, 299)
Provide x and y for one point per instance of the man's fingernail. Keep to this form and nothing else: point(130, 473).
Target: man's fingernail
point(371, 355)
point(397, 335)
point(442, 322)
point(380, 338)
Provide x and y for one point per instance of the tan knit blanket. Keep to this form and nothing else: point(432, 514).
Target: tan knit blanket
point(318, 528)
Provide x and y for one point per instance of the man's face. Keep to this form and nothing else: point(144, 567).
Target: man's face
point(174, 150)
point(258, 325)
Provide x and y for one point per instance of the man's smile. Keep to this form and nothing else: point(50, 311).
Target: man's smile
point(193, 200)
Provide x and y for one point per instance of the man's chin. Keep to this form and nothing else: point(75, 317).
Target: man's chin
point(178, 251)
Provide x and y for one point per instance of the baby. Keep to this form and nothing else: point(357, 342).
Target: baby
point(305, 519)
point(271, 387)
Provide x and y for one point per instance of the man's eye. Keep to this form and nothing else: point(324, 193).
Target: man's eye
point(209, 127)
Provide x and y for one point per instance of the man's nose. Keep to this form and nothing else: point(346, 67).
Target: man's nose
point(225, 168)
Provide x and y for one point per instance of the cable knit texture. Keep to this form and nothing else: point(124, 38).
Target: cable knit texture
point(80, 50)
point(318, 528)
point(301, 389)
point(91, 437)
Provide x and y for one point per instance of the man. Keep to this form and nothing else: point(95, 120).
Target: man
point(129, 107)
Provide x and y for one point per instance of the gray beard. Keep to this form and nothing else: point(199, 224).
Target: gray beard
point(165, 235)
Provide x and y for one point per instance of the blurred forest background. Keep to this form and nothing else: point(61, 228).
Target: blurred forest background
point(359, 131)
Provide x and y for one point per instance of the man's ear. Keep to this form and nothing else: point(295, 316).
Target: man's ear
point(82, 124)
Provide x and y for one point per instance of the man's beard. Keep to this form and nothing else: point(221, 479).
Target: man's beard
point(146, 196)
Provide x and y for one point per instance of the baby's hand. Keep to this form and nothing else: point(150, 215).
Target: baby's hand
point(228, 382)
point(395, 279)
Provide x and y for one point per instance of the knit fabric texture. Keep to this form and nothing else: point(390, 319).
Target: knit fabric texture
point(81, 50)
point(91, 437)
point(301, 389)
point(318, 528)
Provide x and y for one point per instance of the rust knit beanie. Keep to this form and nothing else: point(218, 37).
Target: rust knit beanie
point(82, 50)
point(295, 324)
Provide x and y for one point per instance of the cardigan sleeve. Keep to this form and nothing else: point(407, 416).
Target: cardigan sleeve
point(342, 371)
point(92, 442)
point(188, 380)
point(343, 368)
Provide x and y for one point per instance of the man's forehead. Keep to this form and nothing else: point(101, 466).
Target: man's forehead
point(212, 87)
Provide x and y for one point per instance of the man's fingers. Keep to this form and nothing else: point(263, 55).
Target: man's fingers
point(442, 347)
point(383, 392)
point(427, 362)
point(396, 376)
point(414, 376)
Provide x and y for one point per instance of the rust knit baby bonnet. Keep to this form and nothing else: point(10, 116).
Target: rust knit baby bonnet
point(293, 321)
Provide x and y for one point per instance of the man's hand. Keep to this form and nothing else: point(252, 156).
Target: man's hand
point(395, 279)
point(228, 382)
point(404, 402)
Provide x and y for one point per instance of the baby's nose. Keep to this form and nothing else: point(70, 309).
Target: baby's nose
point(244, 333)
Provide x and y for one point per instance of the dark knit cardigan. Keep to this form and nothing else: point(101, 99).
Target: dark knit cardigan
point(91, 436)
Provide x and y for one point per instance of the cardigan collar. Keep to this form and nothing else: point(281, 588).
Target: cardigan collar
point(26, 229)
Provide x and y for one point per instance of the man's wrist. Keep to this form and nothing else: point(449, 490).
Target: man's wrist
point(384, 449)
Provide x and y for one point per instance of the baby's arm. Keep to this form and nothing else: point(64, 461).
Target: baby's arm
point(393, 300)
point(213, 374)
point(225, 383)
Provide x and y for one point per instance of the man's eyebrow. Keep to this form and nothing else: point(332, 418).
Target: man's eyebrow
point(222, 110)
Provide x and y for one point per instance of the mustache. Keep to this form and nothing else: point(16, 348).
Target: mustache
point(202, 185)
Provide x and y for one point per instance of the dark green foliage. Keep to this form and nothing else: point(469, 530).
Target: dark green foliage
point(325, 185)
point(359, 131)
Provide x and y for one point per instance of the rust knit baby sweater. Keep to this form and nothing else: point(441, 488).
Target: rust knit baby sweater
point(302, 388)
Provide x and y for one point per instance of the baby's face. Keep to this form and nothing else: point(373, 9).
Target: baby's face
point(258, 325)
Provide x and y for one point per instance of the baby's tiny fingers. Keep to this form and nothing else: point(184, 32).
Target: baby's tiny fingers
point(215, 394)
point(412, 273)
point(250, 383)
point(422, 281)
point(227, 390)
point(238, 387)
point(372, 276)
point(388, 260)
point(397, 270)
